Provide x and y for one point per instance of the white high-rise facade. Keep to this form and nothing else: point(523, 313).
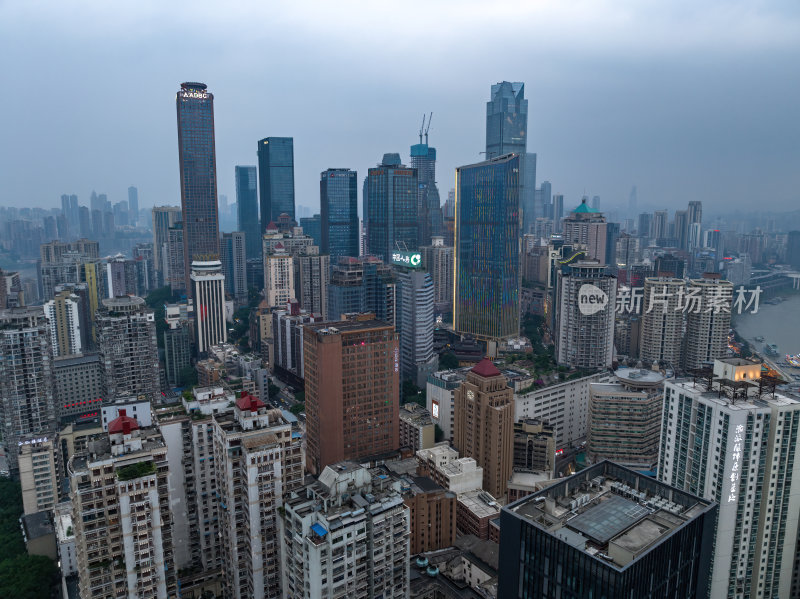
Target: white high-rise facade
point(662, 321)
point(346, 535)
point(585, 318)
point(415, 323)
point(708, 320)
point(208, 290)
point(278, 276)
point(63, 317)
point(740, 452)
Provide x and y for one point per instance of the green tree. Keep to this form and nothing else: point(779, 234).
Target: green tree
point(448, 361)
point(273, 390)
point(298, 408)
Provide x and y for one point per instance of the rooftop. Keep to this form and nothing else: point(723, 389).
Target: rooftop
point(486, 368)
point(778, 400)
point(610, 512)
point(480, 503)
point(37, 525)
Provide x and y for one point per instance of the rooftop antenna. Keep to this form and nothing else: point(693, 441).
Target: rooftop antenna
point(421, 128)
point(427, 128)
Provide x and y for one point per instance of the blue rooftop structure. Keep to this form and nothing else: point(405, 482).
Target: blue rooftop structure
point(319, 530)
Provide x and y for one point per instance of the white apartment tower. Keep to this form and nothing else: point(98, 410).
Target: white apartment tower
point(278, 276)
point(63, 316)
point(257, 465)
point(27, 387)
point(123, 522)
point(708, 320)
point(731, 445)
point(346, 535)
point(661, 332)
point(126, 330)
point(208, 290)
point(585, 318)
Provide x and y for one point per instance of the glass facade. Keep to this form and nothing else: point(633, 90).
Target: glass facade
point(338, 199)
point(423, 158)
point(391, 208)
point(198, 164)
point(486, 302)
point(247, 210)
point(276, 178)
point(506, 120)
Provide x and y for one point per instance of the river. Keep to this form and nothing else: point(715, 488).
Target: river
point(778, 324)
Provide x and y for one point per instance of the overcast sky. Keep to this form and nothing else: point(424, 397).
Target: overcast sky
point(687, 99)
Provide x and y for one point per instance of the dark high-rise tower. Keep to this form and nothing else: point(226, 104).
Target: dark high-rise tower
point(133, 205)
point(276, 178)
point(507, 132)
point(423, 158)
point(338, 201)
point(506, 120)
point(198, 163)
point(247, 210)
point(391, 208)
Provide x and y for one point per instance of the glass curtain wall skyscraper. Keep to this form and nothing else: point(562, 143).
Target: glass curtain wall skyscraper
point(507, 132)
point(423, 158)
point(276, 178)
point(487, 277)
point(247, 210)
point(198, 164)
point(391, 208)
point(338, 200)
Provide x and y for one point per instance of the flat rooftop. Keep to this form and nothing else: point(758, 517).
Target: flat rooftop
point(610, 512)
point(779, 400)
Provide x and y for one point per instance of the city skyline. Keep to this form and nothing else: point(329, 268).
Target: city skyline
point(598, 125)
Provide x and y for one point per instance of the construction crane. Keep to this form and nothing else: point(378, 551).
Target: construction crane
point(422, 127)
point(427, 128)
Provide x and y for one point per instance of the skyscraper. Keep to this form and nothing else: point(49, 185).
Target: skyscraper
point(275, 178)
point(484, 424)
point(695, 212)
point(588, 227)
point(234, 264)
point(506, 120)
point(729, 442)
point(708, 320)
point(247, 210)
point(487, 278)
point(124, 473)
point(63, 313)
point(558, 212)
point(391, 208)
point(338, 200)
point(415, 296)
point(27, 404)
point(133, 205)
point(507, 132)
point(126, 330)
point(350, 416)
point(362, 285)
point(660, 224)
point(662, 321)
point(682, 229)
point(198, 164)
point(423, 158)
point(208, 289)
point(437, 259)
point(585, 315)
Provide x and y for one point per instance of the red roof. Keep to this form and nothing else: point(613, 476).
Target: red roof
point(272, 226)
point(122, 424)
point(248, 402)
point(486, 368)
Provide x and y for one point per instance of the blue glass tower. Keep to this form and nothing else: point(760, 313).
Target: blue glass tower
point(276, 178)
point(423, 158)
point(391, 207)
point(198, 164)
point(338, 200)
point(247, 210)
point(507, 132)
point(487, 277)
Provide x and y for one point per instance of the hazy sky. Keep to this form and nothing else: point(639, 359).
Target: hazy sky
point(689, 100)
